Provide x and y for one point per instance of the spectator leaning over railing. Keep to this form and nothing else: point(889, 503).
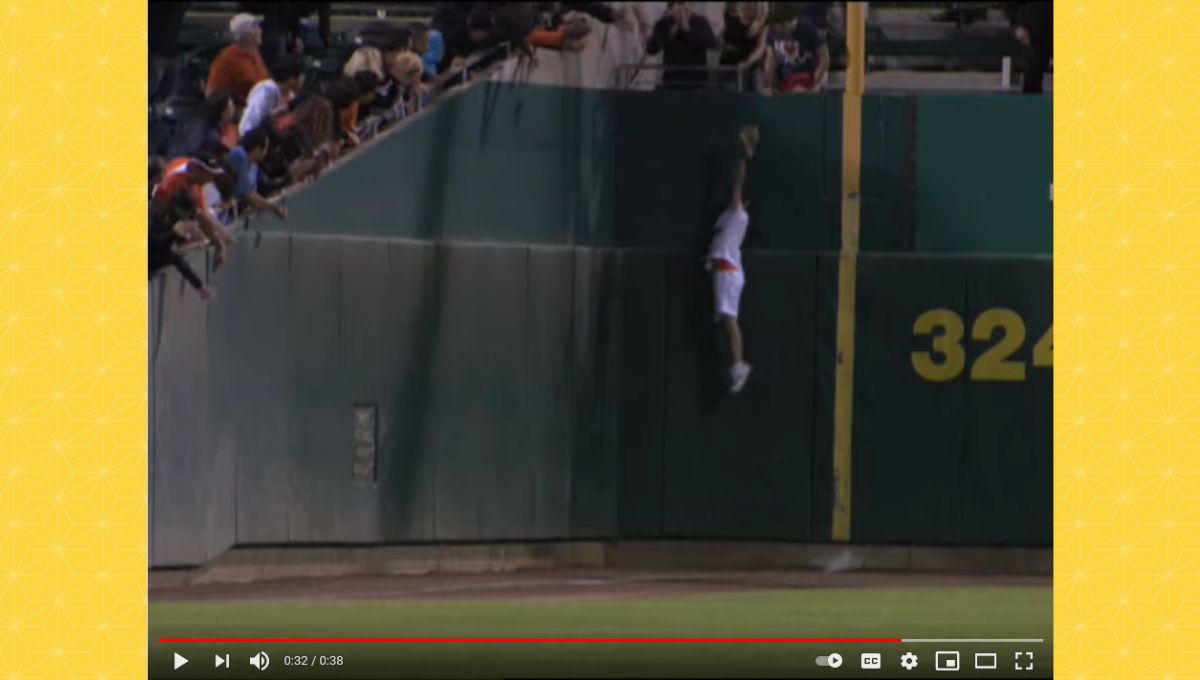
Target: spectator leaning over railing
point(349, 95)
point(745, 42)
point(190, 175)
point(167, 231)
point(380, 57)
point(218, 198)
point(427, 44)
point(302, 144)
point(798, 57)
point(244, 160)
point(239, 67)
point(408, 69)
point(399, 72)
point(684, 38)
point(269, 98)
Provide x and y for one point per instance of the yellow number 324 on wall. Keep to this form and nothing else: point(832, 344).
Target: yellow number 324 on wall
point(946, 329)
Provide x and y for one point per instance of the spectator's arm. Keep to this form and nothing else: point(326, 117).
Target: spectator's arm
point(349, 121)
point(256, 113)
point(822, 65)
point(257, 202)
point(760, 50)
point(769, 71)
point(176, 260)
point(212, 230)
point(542, 37)
point(658, 39)
point(759, 23)
point(739, 179)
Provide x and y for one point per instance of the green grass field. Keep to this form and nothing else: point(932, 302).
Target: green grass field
point(979, 612)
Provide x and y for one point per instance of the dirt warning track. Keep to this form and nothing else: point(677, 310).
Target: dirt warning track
point(552, 585)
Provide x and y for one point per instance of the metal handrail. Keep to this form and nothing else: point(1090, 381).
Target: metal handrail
point(635, 69)
point(470, 63)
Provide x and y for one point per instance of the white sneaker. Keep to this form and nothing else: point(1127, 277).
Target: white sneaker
point(738, 374)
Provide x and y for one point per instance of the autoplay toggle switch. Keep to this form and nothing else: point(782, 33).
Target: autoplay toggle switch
point(832, 660)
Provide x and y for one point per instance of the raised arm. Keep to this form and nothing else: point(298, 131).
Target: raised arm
point(739, 179)
point(760, 50)
point(662, 31)
point(747, 142)
point(822, 66)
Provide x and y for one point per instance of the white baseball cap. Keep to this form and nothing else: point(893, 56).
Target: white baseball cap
point(242, 23)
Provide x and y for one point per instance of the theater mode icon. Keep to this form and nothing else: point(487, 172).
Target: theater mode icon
point(985, 661)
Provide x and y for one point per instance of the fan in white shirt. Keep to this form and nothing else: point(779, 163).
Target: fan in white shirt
point(270, 98)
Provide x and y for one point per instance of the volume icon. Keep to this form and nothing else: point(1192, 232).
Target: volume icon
point(260, 661)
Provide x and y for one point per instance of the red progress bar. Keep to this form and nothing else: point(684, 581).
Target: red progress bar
point(524, 640)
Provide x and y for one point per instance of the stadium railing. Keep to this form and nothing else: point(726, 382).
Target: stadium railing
point(719, 77)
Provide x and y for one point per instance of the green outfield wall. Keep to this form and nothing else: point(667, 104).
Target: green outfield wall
point(492, 325)
point(542, 392)
point(966, 174)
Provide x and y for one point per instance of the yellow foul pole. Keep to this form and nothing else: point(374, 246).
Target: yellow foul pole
point(843, 408)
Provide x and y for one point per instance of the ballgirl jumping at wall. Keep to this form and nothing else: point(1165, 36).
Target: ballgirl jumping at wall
point(725, 261)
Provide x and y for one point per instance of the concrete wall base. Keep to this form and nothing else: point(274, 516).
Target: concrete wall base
point(244, 565)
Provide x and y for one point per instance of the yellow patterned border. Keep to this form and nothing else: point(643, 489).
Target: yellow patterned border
point(72, 339)
point(1127, 316)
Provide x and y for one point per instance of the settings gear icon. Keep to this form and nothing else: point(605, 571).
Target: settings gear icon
point(909, 661)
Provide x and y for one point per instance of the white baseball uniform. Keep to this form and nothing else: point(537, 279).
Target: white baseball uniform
point(725, 260)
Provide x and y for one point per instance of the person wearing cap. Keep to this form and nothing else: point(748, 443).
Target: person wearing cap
point(191, 175)
point(239, 67)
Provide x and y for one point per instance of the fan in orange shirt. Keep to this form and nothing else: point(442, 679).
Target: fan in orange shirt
point(239, 67)
point(190, 174)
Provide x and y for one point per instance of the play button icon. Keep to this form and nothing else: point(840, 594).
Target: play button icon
point(179, 660)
